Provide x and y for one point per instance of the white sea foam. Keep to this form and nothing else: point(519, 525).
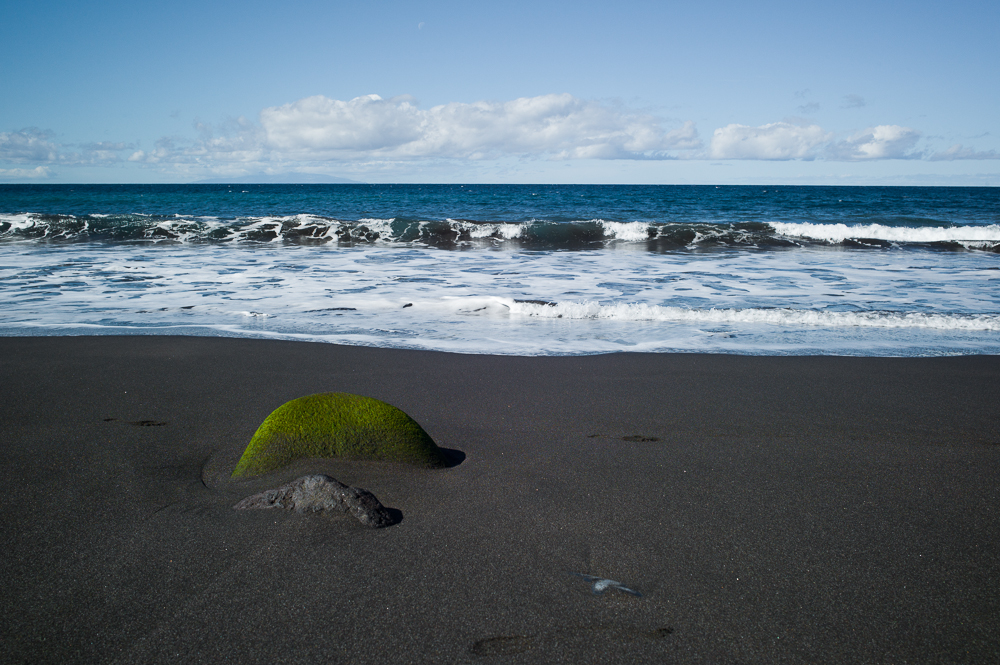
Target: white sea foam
point(803, 301)
point(773, 316)
point(501, 230)
point(622, 231)
point(20, 221)
point(921, 234)
point(381, 226)
point(626, 231)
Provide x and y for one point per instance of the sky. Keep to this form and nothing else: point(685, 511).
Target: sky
point(380, 91)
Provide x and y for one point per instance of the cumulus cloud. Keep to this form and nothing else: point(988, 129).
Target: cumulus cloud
point(775, 141)
point(958, 151)
point(373, 130)
point(787, 140)
point(881, 142)
point(28, 145)
point(556, 125)
point(322, 125)
point(26, 174)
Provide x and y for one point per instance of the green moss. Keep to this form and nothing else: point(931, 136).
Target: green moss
point(337, 425)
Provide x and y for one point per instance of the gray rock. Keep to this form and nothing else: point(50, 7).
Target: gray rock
point(601, 584)
point(318, 493)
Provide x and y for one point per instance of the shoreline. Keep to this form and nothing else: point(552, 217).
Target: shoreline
point(206, 331)
point(768, 508)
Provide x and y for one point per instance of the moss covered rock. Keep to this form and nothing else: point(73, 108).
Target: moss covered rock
point(337, 425)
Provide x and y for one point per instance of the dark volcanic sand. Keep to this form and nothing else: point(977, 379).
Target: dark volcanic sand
point(825, 510)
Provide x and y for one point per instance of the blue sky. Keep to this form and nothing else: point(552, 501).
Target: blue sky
point(574, 92)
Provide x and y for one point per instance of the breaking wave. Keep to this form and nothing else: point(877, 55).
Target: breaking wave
point(306, 229)
point(978, 237)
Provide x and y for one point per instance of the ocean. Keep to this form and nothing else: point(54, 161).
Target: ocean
point(512, 269)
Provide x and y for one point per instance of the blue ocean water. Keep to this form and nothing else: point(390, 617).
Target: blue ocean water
point(512, 269)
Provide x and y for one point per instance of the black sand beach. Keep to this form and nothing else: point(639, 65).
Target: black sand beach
point(768, 509)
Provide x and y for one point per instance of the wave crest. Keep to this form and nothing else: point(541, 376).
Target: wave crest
point(985, 235)
point(447, 233)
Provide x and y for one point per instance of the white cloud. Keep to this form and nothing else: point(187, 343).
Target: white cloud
point(957, 151)
point(881, 142)
point(26, 174)
point(322, 125)
point(559, 126)
point(33, 145)
point(376, 133)
point(28, 145)
point(778, 140)
point(374, 130)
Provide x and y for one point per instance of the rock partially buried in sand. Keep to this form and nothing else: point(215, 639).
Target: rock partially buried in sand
point(600, 584)
point(337, 425)
point(319, 493)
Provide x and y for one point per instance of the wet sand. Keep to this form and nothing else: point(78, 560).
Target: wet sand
point(768, 509)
